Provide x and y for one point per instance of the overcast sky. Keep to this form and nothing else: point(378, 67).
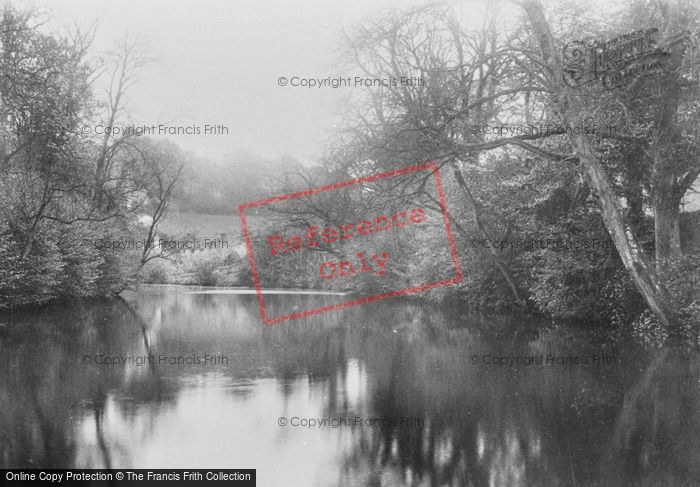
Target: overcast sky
point(218, 62)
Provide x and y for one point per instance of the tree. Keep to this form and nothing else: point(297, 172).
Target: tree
point(63, 191)
point(573, 112)
point(123, 70)
point(460, 87)
point(157, 167)
point(44, 91)
point(487, 77)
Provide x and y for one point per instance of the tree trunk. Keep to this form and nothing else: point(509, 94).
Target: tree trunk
point(665, 201)
point(634, 194)
point(31, 236)
point(667, 235)
point(628, 247)
point(36, 220)
point(645, 278)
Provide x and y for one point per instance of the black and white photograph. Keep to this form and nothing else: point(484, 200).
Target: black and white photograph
point(379, 243)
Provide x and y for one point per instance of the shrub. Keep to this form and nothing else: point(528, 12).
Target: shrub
point(205, 272)
point(156, 274)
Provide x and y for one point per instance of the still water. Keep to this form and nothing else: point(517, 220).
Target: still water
point(411, 395)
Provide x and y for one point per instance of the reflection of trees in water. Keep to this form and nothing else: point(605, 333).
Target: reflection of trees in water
point(433, 447)
point(656, 435)
point(45, 389)
point(478, 425)
point(436, 444)
point(48, 397)
point(99, 410)
point(418, 369)
point(522, 426)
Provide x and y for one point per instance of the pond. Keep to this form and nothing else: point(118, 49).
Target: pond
point(390, 393)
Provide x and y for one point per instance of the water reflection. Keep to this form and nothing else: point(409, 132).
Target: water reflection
point(439, 417)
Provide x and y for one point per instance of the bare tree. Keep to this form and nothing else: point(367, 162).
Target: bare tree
point(462, 83)
point(123, 69)
point(158, 168)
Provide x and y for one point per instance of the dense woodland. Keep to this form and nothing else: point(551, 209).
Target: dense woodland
point(61, 188)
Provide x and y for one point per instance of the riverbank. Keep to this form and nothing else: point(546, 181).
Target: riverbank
point(196, 289)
